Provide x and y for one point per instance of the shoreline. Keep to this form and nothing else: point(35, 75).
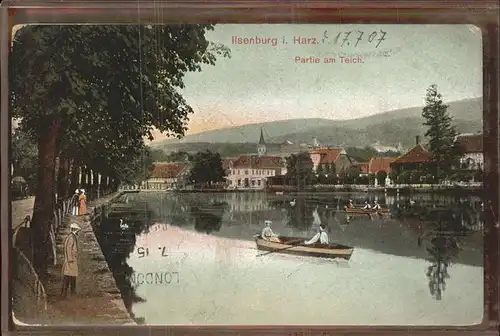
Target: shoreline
point(392, 190)
point(97, 300)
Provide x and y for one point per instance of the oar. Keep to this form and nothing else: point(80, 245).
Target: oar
point(282, 249)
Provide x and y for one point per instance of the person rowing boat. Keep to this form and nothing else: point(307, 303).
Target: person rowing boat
point(350, 205)
point(376, 206)
point(268, 234)
point(367, 206)
point(321, 236)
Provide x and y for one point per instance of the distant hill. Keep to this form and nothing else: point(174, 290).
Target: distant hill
point(389, 128)
point(251, 132)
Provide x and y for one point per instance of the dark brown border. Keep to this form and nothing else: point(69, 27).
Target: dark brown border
point(483, 14)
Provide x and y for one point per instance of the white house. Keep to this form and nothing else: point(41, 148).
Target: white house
point(472, 145)
point(252, 171)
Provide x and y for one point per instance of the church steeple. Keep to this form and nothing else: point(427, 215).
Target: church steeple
point(261, 147)
point(261, 141)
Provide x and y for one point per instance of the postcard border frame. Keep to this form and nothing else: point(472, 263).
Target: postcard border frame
point(484, 15)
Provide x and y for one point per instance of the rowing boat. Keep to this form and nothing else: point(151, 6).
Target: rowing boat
point(358, 211)
point(289, 245)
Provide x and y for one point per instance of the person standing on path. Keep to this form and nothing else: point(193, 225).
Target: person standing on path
point(74, 202)
point(83, 203)
point(70, 263)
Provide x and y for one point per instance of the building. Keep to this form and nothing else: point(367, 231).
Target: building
point(472, 146)
point(415, 159)
point(377, 164)
point(330, 158)
point(252, 171)
point(166, 175)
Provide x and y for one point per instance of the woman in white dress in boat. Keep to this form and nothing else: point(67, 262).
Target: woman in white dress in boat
point(321, 236)
point(268, 234)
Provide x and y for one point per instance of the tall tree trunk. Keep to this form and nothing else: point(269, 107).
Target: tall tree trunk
point(55, 172)
point(44, 197)
point(89, 182)
point(62, 177)
point(65, 190)
point(83, 176)
point(75, 168)
point(95, 184)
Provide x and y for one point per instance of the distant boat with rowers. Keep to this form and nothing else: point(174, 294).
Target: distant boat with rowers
point(361, 211)
point(291, 245)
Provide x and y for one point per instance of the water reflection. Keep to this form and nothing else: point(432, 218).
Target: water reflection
point(438, 229)
point(209, 219)
point(443, 226)
point(118, 243)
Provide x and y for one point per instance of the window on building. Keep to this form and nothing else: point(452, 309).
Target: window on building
point(253, 183)
point(239, 182)
point(246, 172)
point(258, 183)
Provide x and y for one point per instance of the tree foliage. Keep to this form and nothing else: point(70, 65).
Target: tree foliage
point(89, 95)
point(24, 157)
point(207, 168)
point(361, 154)
point(299, 170)
point(441, 133)
point(380, 176)
point(179, 156)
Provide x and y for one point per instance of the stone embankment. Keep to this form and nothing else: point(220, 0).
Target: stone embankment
point(97, 301)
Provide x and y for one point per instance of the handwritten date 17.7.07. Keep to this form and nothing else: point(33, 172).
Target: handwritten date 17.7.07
point(353, 38)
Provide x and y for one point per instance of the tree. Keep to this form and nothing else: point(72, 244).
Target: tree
point(381, 176)
point(299, 170)
point(179, 156)
point(207, 168)
point(351, 174)
point(73, 84)
point(322, 179)
point(24, 157)
point(361, 154)
point(394, 176)
point(441, 133)
point(159, 155)
point(331, 173)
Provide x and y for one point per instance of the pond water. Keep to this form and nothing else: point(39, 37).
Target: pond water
point(190, 258)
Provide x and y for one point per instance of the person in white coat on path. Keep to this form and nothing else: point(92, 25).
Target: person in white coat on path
point(70, 263)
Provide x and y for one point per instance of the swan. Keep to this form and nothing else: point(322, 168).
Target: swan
point(412, 202)
point(292, 203)
point(123, 226)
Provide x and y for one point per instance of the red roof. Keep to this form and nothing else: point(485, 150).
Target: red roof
point(258, 162)
point(377, 164)
point(417, 154)
point(471, 143)
point(328, 155)
point(167, 170)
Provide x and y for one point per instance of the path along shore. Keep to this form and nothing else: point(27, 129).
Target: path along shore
point(97, 301)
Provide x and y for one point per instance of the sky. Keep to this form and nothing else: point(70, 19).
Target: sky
point(261, 83)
